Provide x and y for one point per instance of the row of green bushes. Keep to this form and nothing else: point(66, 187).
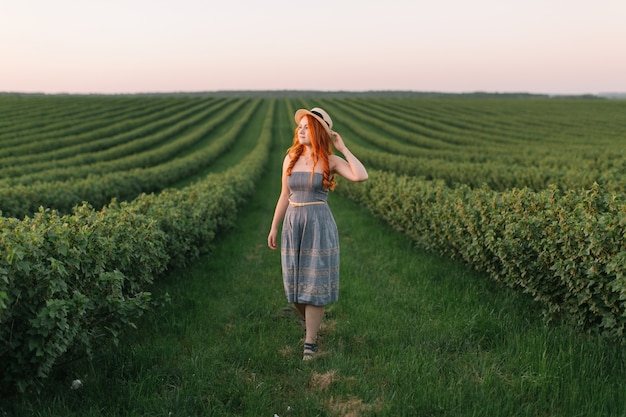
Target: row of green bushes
point(567, 249)
point(141, 148)
point(38, 122)
point(20, 200)
point(495, 175)
point(71, 282)
point(388, 143)
point(505, 120)
point(64, 151)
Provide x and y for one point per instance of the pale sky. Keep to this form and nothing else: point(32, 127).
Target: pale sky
point(129, 46)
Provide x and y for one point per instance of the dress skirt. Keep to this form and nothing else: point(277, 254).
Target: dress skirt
point(309, 245)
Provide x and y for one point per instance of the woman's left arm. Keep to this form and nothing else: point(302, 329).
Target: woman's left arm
point(350, 168)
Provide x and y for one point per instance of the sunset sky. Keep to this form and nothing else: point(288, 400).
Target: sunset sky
point(128, 46)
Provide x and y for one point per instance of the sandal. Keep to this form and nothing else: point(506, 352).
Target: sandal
point(310, 349)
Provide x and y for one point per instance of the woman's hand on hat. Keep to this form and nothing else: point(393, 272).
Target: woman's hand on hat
point(337, 141)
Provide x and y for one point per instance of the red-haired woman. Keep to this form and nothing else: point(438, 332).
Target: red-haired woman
point(309, 240)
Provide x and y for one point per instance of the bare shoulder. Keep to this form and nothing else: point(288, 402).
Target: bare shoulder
point(286, 161)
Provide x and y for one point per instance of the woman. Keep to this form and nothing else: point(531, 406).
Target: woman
point(309, 240)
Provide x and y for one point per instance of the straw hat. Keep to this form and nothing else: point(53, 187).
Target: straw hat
point(320, 115)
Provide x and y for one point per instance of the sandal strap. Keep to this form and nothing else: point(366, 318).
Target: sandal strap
point(310, 350)
point(310, 346)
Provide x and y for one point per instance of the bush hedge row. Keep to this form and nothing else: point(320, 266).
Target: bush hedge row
point(69, 282)
point(118, 180)
point(567, 249)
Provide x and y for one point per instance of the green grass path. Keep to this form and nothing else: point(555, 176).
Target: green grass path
point(411, 335)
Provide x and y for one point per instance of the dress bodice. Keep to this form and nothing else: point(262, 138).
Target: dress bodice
point(304, 189)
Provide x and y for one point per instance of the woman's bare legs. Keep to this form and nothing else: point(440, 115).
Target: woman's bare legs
point(313, 316)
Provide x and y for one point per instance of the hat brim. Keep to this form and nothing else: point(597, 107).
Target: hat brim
point(303, 112)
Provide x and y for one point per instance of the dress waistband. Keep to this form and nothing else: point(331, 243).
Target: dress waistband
point(310, 203)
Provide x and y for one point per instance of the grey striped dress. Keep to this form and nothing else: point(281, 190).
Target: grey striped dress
point(309, 244)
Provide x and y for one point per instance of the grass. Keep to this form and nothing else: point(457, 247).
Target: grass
point(412, 335)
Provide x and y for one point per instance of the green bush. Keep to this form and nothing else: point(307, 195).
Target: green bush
point(69, 282)
point(566, 249)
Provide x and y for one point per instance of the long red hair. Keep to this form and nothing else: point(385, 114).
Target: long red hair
point(320, 150)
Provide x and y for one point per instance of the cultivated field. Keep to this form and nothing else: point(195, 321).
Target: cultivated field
point(101, 196)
